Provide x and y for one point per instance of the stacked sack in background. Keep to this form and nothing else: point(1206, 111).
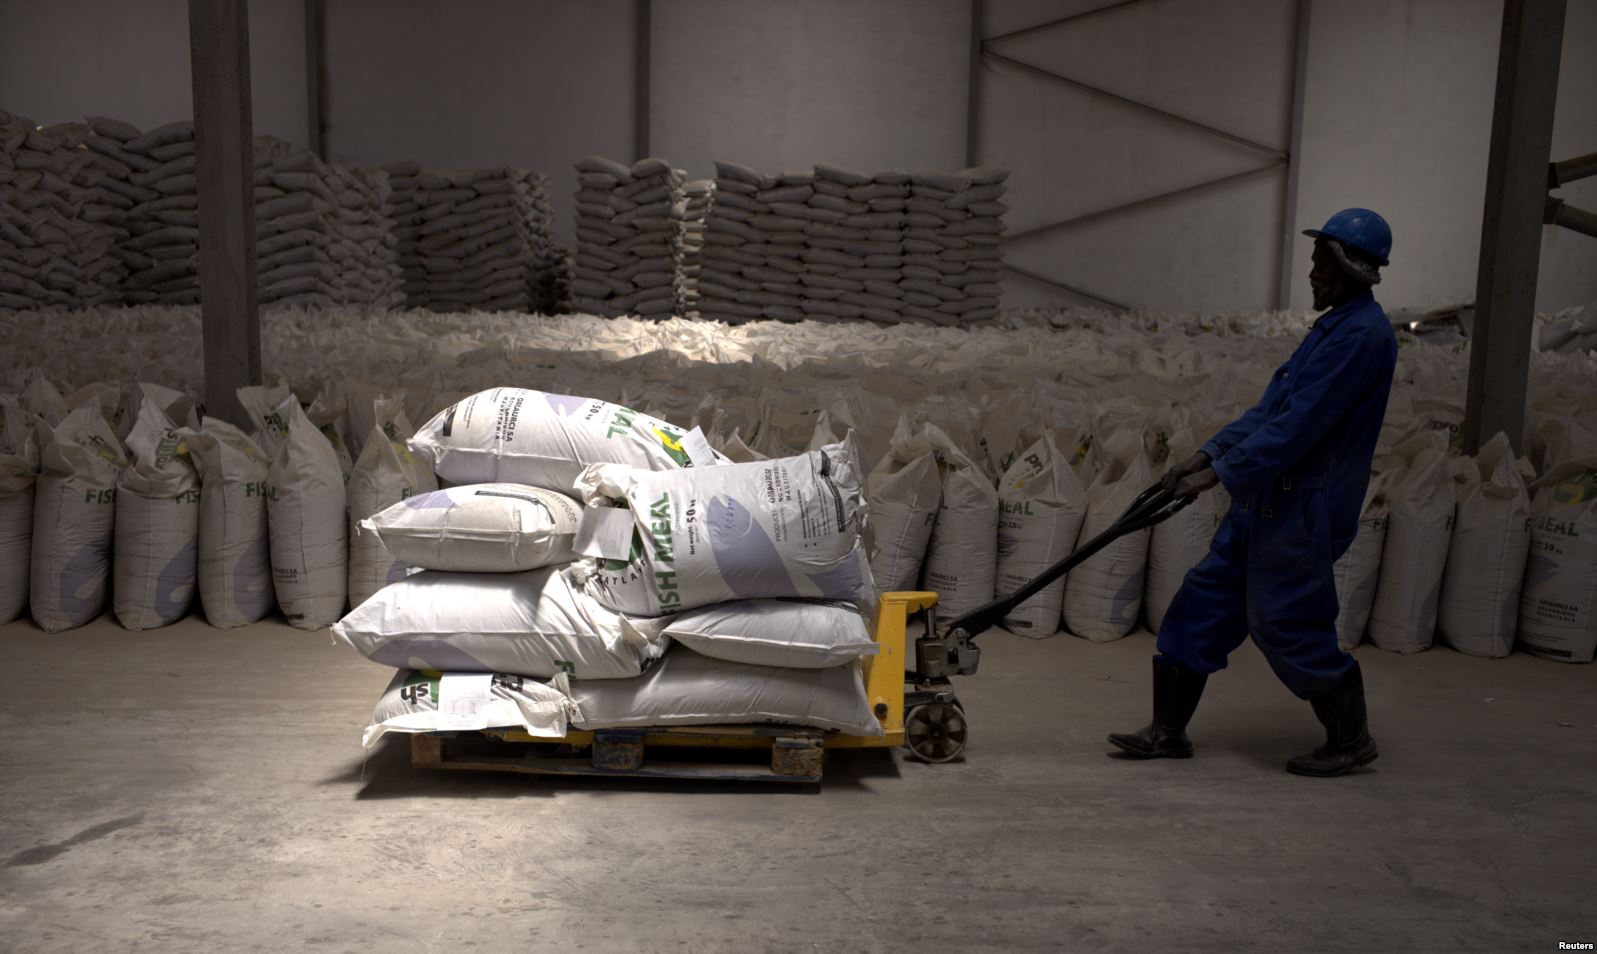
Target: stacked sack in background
point(475, 240)
point(838, 244)
point(536, 611)
point(694, 212)
point(59, 222)
point(629, 238)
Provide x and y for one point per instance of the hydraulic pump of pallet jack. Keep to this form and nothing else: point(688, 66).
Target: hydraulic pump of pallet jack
point(949, 648)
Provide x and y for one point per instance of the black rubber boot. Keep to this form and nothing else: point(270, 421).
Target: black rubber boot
point(1176, 691)
point(1348, 744)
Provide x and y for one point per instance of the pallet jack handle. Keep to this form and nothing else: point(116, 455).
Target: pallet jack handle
point(1154, 505)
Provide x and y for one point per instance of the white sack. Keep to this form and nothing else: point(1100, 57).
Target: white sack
point(1479, 608)
point(962, 556)
point(545, 440)
point(1180, 542)
point(1041, 506)
point(19, 469)
point(778, 528)
point(904, 492)
point(1358, 572)
point(386, 473)
point(1403, 617)
point(1558, 612)
point(235, 562)
point(480, 528)
point(796, 634)
point(531, 624)
point(306, 521)
point(686, 688)
point(74, 514)
point(157, 522)
point(411, 704)
point(263, 405)
point(1103, 596)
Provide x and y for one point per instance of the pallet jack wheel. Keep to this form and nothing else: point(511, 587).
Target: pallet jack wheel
point(936, 732)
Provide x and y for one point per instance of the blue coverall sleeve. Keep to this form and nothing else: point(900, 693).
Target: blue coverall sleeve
point(1335, 375)
point(1238, 430)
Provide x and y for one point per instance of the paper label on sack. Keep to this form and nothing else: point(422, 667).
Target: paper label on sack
point(463, 700)
point(605, 533)
point(697, 447)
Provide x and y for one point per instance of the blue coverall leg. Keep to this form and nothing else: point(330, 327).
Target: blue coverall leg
point(1297, 465)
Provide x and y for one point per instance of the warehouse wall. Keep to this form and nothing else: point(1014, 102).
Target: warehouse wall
point(64, 59)
point(475, 83)
point(1398, 117)
point(872, 86)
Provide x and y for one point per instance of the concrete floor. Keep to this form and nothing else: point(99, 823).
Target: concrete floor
point(201, 790)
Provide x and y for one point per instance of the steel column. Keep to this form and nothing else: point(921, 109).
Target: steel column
point(1290, 269)
point(219, 52)
point(316, 76)
point(643, 44)
point(973, 84)
point(1511, 230)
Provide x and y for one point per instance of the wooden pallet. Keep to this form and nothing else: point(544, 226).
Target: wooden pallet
point(723, 753)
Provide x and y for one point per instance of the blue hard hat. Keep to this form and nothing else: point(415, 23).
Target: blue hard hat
point(1361, 229)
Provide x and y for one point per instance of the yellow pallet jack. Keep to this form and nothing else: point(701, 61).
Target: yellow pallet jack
point(916, 705)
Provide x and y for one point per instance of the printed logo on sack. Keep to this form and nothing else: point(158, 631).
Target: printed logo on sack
point(664, 552)
point(1577, 489)
point(673, 447)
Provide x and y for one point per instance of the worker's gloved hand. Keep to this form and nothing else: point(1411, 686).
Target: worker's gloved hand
point(1195, 484)
point(1186, 468)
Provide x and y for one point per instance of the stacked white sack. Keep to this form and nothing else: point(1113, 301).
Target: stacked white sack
point(323, 234)
point(157, 514)
point(1478, 612)
point(733, 243)
point(690, 538)
point(694, 211)
point(855, 239)
point(1558, 612)
point(477, 240)
point(59, 226)
point(953, 246)
point(627, 238)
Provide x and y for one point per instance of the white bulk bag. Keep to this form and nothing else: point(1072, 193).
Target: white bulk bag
point(796, 634)
point(1479, 608)
point(1558, 611)
point(1181, 541)
point(1358, 572)
point(157, 518)
point(904, 492)
point(545, 440)
point(687, 688)
point(74, 516)
point(41, 399)
point(480, 528)
point(962, 555)
point(386, 473)
point(1403, 617)
point(1041, 505)
point(778, 528)
point(1103, 596)
point(306, 523)
point(19, 469)
point(532, 624)
point(411, 704)
point(235, 555)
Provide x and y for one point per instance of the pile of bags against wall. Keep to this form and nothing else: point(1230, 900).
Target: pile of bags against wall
point(629, 238)
point(476, 240)
point(838, 244)
point(770, 390)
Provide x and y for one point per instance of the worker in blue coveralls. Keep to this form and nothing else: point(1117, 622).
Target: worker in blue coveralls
point(1297, 466)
